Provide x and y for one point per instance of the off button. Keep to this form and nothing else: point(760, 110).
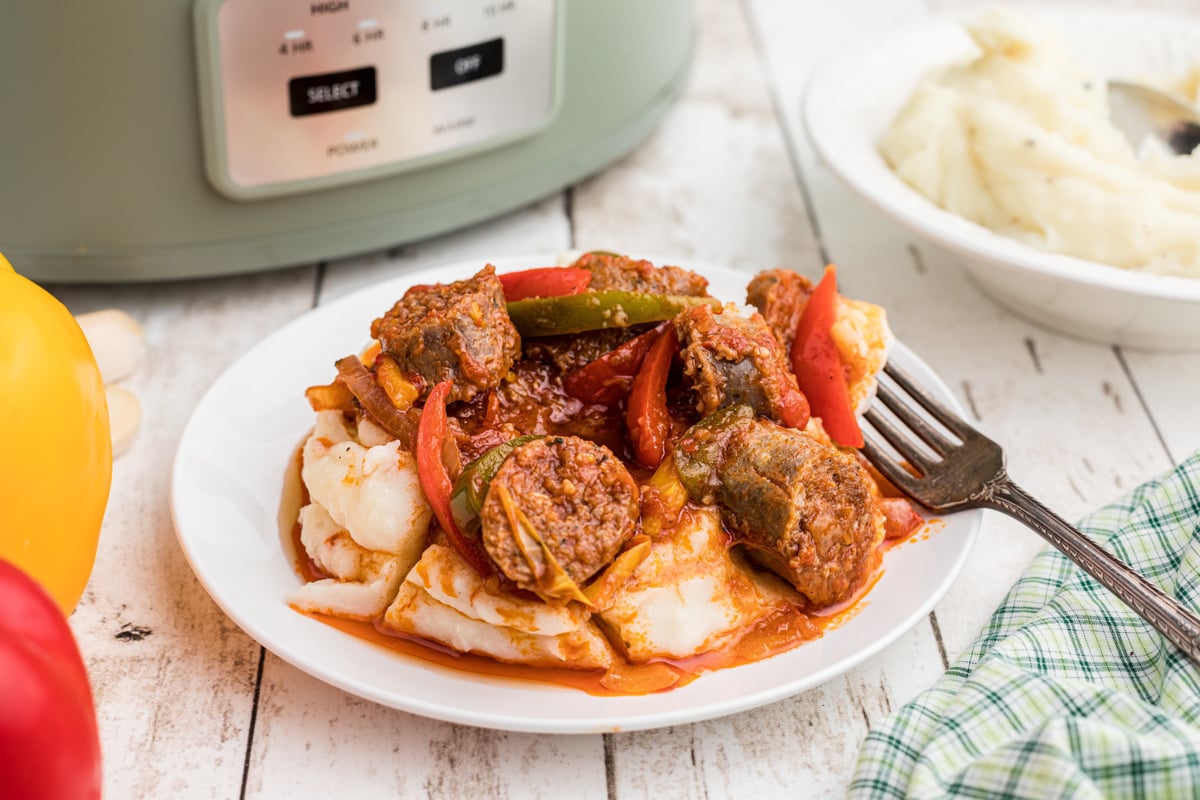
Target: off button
point(466, 64)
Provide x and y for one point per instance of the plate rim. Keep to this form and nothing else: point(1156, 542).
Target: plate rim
point(920, 214)
point(252, 625)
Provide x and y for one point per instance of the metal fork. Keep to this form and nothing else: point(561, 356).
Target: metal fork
point(970, 473)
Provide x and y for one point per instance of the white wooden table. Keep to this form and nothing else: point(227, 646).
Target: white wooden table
point(189, 706)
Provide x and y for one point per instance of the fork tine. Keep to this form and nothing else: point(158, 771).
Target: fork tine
point(940, 412)
point(904, 444)
point(893, 470)
point(918, 424)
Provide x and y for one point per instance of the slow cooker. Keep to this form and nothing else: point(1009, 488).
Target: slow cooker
point(184, 138)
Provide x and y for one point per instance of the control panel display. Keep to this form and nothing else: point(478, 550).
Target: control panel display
point(326, 92)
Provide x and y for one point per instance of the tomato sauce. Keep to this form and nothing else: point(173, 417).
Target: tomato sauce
point(531, 400)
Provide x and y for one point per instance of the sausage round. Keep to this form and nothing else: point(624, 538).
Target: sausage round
point(578, 497)
point(458, 332)
point(802, 508)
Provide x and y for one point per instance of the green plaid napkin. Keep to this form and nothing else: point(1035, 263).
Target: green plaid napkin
point(1066, 692)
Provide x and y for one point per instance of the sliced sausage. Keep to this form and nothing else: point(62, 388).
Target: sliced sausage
point(458, 331)
point(803, 509)
point(577, 496)
point(730, 359)
point(780, 295)
point(627, 274)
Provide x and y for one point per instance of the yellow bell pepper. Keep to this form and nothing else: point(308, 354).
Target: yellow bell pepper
point(55, 450)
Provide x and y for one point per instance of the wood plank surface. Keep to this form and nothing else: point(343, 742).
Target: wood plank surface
point(189, 706)
point(173, 677)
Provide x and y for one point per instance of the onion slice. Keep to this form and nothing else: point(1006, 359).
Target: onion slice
point(375, 400)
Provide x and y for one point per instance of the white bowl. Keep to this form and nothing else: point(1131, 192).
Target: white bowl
point(853, 98)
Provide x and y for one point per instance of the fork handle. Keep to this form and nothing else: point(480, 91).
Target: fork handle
point(1165, 613)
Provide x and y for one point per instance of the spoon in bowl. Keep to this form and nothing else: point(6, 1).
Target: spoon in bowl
point(1139, 111)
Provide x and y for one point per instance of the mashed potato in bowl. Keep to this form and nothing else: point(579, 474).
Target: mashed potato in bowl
point(1019, 140)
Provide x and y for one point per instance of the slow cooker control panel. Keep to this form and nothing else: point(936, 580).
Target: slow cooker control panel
point(307, 94)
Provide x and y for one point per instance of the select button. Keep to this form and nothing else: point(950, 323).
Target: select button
point(333, 91)
point(466, 64)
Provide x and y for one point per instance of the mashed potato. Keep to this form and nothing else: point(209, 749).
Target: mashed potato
point(1019, 141)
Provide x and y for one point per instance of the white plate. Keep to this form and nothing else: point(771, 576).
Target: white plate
point(852, 99)
point(226, 491)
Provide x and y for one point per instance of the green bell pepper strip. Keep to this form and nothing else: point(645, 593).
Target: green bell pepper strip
point(700, 453)
point(471, 487)
point(593, 311)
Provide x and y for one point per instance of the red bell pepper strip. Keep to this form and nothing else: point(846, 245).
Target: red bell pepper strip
point(818, 367)
point(544, 282)
point(432, 431)
point(49, 744)
point(608, 379)
point(646, 416)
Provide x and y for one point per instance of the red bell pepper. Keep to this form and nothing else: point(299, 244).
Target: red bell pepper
point(609, 378)
point(818, 367)
point(646, 416)
point(49, 744)
point(544, 282)
point(432, 431)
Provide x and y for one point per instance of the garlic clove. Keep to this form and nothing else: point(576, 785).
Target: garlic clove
point(117, 342)
point(124, 417)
